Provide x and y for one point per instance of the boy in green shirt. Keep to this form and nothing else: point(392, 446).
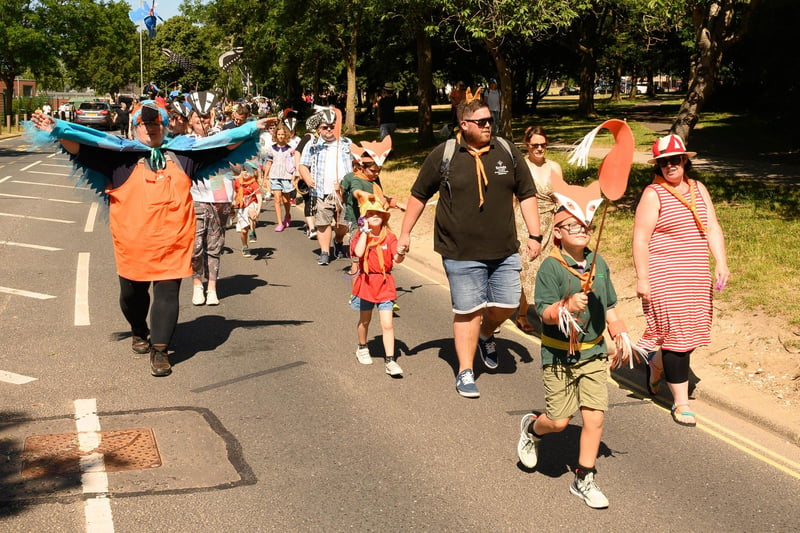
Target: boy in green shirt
point(575, 298)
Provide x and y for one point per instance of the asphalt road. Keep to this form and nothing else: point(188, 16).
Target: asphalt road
point(268, 423)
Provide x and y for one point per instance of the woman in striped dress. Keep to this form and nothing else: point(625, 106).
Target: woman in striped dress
point(674, 229)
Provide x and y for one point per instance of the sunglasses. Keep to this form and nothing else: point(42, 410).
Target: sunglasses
point(326, 127)
point(481, 122)
point(674, 160)
point(537, 145)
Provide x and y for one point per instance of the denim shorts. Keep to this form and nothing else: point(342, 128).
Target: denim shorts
point(478, 284)
point(283, 185)
point(357, 304)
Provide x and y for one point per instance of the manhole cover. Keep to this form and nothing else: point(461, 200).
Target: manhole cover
point(59, 454)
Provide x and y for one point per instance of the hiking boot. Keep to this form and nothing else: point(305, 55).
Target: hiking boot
point(198, 298)
point(465, 384)
point(212, 299)
point(363, 356)
point(488, 351)
point(324, 259)
point(140, 345)
point(587, 489)
point(159, 363)
point(392, 368)
point(528, 445)
point(246, 252)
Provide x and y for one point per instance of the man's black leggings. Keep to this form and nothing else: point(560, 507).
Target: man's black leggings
point(676, 365)
point(134, 300)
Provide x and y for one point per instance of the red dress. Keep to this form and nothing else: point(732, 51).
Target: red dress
point(373, 283)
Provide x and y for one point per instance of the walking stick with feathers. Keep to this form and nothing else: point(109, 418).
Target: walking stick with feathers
point(582, 202)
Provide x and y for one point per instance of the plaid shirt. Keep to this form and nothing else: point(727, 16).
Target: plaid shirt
point(315, 157)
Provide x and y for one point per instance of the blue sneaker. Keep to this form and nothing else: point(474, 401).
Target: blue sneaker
point(488, 351)
point(465, 384)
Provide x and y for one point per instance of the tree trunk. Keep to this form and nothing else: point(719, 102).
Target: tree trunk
point(506, 83)
point(616, 89)
point(424, 89)
point(587, 68)
point(716, 28)
point(8, 97)
point(351, 59)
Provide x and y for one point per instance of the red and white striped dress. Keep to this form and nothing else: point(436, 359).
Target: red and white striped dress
point(679, 313)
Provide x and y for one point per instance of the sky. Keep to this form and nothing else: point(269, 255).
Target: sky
point(164, 8)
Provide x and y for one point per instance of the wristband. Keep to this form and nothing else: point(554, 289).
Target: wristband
point(537, 238)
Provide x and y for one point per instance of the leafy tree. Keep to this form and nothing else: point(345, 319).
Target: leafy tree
point(23, 43)
point(718, 24)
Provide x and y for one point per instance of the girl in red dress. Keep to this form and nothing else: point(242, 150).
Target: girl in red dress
point(375, 246)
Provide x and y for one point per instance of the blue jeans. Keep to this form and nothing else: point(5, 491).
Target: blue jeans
point(478, 284)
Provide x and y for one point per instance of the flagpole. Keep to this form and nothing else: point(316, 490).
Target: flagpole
point(141, 59)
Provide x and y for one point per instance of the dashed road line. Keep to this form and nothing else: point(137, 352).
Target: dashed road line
point(15, 379)
point(27, 294)
point(31, 165)
point(60, 221)
point(90, 218)
point(82, 290)
point(24, 197)
point(34, 246)
point(94, 479)
point(4, 179)
point(23, 182)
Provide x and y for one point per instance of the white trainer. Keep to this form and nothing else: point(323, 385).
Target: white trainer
point(587, 489)
point(211, 298)
point(393, 369)
point(528, 445)
point(198, 298)
point(363, 356)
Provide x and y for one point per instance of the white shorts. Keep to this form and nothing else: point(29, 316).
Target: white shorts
point(244, 215)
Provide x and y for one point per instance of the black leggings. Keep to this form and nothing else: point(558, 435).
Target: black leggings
point(134, 300)
point(676, 365)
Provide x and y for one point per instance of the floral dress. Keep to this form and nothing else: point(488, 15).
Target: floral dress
point(547, 208)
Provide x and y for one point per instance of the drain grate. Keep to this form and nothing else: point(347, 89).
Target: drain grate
point(59, 454)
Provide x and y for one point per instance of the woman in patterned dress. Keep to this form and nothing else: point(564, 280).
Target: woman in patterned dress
point(674, 229)
point(541, 170)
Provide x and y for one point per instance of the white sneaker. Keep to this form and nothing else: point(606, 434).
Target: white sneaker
point(363, 356)
point(393, 369)
point(528, 445)
point(211, 298)
point(589, 491)
point(198, 298)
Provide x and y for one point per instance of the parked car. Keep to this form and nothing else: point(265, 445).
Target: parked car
point(95, 114)
point(569, 91)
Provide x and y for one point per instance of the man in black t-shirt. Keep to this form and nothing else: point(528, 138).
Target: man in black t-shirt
point(475, 233)
point(386, 105)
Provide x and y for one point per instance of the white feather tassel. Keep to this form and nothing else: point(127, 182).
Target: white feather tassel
point(580, 154)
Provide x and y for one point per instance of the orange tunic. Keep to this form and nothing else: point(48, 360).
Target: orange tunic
point(152, 224)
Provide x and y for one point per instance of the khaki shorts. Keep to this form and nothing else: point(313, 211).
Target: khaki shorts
point(326, 214)
point(569, 387)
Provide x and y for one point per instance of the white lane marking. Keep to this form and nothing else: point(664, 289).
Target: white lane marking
point(94, 480)
point(15, 379)
point(90, 218)
point(50, 173)
point(40, 198)
point(31, 165)
point(27, 294)
point(38, 218)
point(4, 179)
point(34, 246)
point(82, 290)
point(23, 182)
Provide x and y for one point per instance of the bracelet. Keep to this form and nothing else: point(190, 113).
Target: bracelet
point(537, 238)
